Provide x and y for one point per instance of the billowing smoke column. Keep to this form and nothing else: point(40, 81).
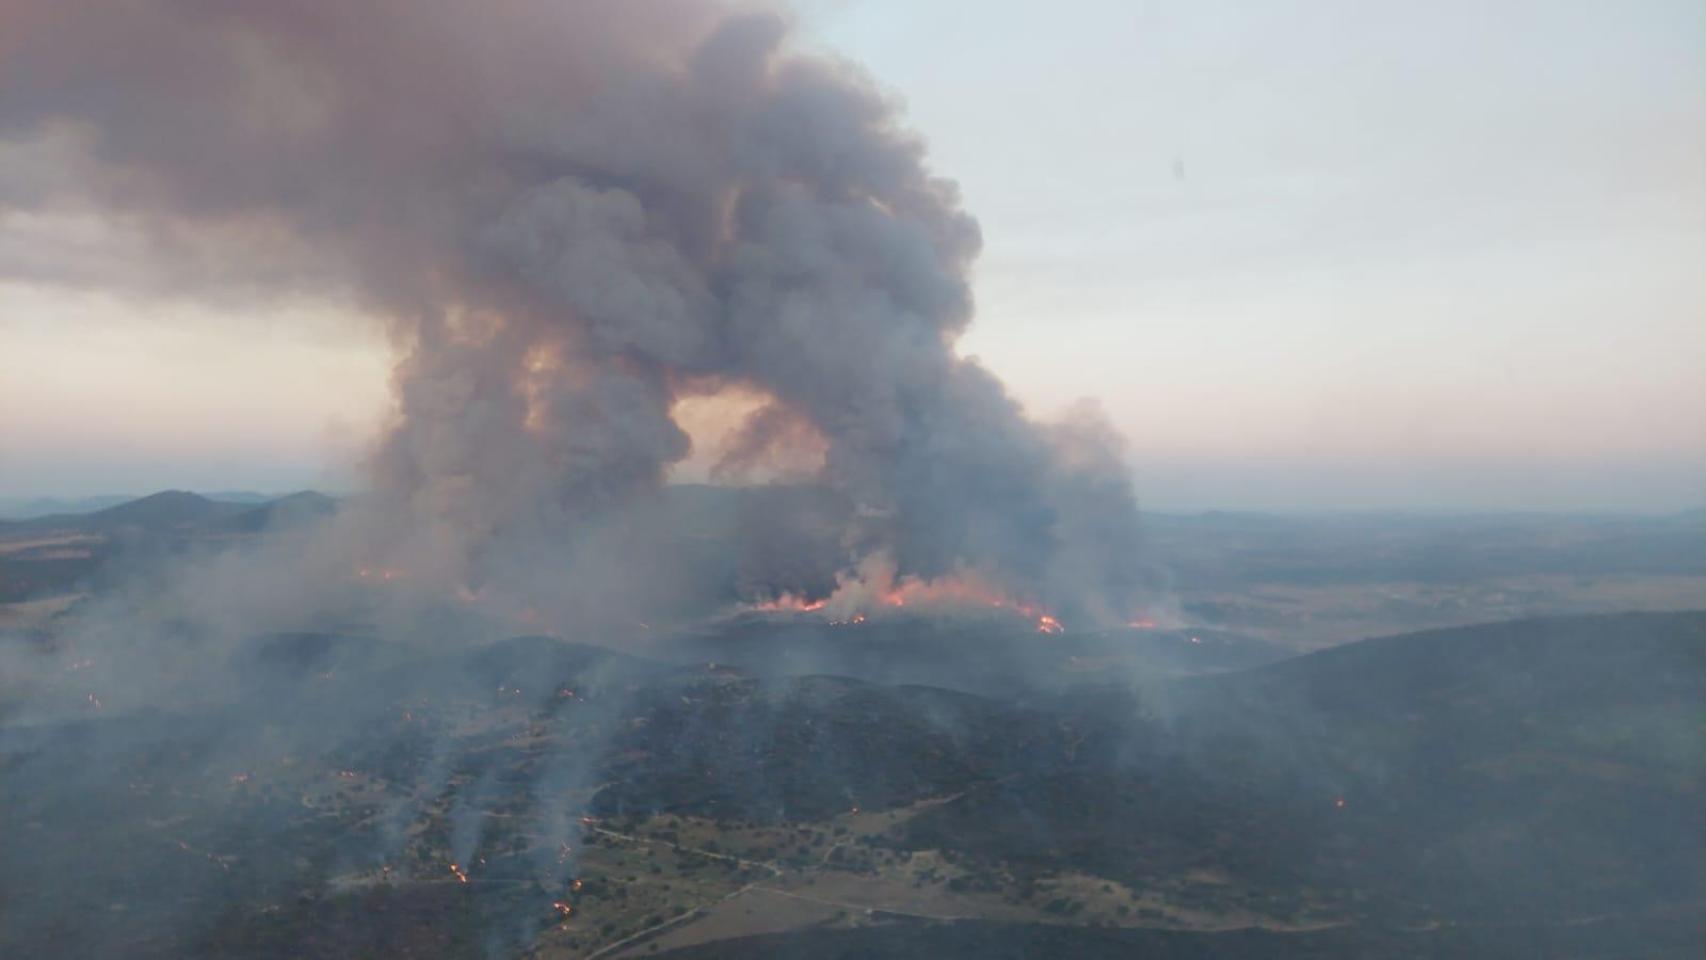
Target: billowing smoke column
point(573, 214)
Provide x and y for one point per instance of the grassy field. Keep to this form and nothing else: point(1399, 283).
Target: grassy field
point(663, 883)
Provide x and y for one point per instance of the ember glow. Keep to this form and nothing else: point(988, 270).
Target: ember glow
point(789, 603)
point(380, 574)
point(463, 877)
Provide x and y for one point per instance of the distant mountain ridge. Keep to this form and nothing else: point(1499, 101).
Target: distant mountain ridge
point(716, 496)
point(289, 510)
point(179, 511)
point(156, 513)
point(30, 508)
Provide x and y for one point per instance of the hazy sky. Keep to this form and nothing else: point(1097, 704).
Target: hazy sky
point(1311, 255)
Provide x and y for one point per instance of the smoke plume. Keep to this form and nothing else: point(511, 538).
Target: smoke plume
point(572, 215)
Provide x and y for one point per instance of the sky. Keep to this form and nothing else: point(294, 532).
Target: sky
point(1307, 256)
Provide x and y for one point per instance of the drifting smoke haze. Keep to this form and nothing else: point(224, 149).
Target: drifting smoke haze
point(573, 216)
point(576, 221)
point(520, 697)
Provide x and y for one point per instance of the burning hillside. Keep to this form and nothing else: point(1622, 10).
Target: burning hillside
point(520, 696)
point(877, 593)
point(573, 217)
point(577, 220)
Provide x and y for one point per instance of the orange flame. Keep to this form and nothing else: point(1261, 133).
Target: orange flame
point(789, 603)
point(459, 874)
point(875, 588)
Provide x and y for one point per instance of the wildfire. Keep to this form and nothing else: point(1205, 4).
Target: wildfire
point(955, 592)
point(459, 874)
point(855, 599)
point(563, 908)
point(94, 701)
point(789, 603)
point(1143, 624)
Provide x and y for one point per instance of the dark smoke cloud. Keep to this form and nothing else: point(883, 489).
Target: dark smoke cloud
point(572, 214)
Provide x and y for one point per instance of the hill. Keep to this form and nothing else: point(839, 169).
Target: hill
point(997, 654)
point(165, 512)
point(169, 511)
point(1524, 787)
point(1663, 939)
point(63, 553)
point(1540, 769)
point(296, 509)
point(29, 508)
